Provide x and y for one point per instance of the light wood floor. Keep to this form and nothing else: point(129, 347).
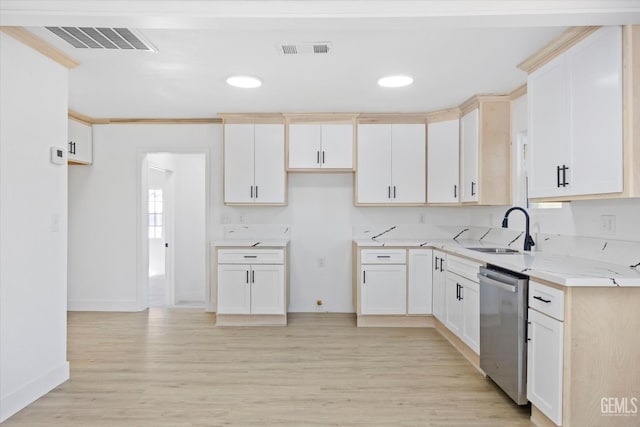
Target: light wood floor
point(173, 367)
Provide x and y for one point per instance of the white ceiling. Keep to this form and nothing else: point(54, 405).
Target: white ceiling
point(452, 54)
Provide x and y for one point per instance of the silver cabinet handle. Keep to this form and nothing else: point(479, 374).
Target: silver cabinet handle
point(256, 191)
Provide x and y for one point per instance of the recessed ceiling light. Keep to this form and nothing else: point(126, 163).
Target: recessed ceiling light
point(395, 81)
point(245, 82)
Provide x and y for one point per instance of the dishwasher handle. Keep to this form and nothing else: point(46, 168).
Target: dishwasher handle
point(496, 283)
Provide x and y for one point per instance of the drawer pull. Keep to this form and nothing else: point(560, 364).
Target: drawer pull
point(251, 256)
point(546, 301)
point(384, 256)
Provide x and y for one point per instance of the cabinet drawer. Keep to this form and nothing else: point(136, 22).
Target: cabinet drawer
point(383, 256)
point(463, 267)
point(546, 299)
point(246, 256)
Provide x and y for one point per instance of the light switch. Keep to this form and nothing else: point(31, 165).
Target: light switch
point(55, 223)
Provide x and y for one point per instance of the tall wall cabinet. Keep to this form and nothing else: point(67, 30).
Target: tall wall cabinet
point(443, 152)
point(485, 151)
point(575, 119)
point(391, 165)
point(254, 170)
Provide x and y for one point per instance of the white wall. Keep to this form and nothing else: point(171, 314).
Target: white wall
point(33, 226)
point(104, 228)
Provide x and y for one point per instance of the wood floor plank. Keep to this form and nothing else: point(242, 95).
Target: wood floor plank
point(173, 367)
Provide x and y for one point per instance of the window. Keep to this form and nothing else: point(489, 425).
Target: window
point(155, 214)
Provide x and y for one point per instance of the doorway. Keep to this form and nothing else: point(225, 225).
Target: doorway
point(174, 224)
point(160, 227)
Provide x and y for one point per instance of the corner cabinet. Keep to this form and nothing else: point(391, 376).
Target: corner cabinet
point(392, 287)
point(251, 286)
point(443, 151)
point(254, 170)
point(391, 165)
point(576, 119)
point(316, 143)
point(79, 142)
point(485, 151)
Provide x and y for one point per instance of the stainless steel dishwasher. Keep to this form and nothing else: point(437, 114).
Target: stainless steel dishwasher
point(503, 329)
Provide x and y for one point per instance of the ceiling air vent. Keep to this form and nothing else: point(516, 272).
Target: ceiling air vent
point(315, 48)
point(101, 38)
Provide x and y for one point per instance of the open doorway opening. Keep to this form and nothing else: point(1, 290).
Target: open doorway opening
point(160, 227)
point(175, 224)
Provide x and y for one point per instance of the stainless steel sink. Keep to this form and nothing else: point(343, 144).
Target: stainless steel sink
point(495, 250)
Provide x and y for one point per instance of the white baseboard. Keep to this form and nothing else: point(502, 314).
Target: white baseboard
point(32, 391)
point(104, 306)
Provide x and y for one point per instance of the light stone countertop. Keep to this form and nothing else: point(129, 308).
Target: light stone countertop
point(561, 269)
point(281, 243)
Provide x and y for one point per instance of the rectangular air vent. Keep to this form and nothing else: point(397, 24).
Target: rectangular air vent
point(101, 38)
point(314, 48)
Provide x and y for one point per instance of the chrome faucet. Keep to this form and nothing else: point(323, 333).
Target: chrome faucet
point(528, 241)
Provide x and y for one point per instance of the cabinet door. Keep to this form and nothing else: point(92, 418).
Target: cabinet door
point(383, 289)
point(304, 146)
point(80, 142)
point(269, 164)
point(453, 305)
point(420, 284)
point(373, 176)
point(408, 163)
point(443, 148)
point(469, 134)
point(267, 289)
point(549, 142)
point(439, 284)
point(234, 290)
point(238, 163)
point(337, 146)
point(595, 70)
point(544, 364)
point(471, 314)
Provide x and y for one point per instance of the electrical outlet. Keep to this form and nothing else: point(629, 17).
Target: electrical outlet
point(241, 219)
point(608, 224)
point(422, 218)
point(321, 262)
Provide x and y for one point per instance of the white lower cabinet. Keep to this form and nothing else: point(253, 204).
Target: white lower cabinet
point(267, 289)
point(471, 314)
point(462, 301)
point(234, 289)
point(544, 364)
point(251, 282)
point(383, 289)
point(439, 285)
point(420, 283)
point(250, 289)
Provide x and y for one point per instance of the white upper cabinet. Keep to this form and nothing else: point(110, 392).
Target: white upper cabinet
point(254, 171)
point(443, 148)
point(79, 142)
point(485, 150)
point(469, 143)
point(575, 120)
point(391, 164)
point(320, 146)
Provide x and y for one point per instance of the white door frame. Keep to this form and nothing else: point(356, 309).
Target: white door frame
point(142, 222)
